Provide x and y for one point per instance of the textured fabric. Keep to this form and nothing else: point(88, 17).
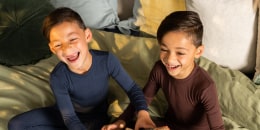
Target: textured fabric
point(21, 40)
point(238, 95)
point(23, 88)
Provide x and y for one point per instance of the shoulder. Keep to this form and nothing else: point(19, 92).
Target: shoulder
point(159, 72)
point(99, 52)
point(104, 59)
point(204, 74)
point(102, 54)
point(203, 78)
point(59, 74)
point(204, 85)
point(159, 67)
point(59, 68)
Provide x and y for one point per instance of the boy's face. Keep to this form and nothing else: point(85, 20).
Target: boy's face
point(69, 42)
point(178, 53)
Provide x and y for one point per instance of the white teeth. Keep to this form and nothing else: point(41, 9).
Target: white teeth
point(174, 66)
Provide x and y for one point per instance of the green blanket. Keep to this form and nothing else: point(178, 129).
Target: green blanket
point(23, 88)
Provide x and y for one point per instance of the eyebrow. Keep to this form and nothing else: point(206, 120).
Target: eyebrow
point(182, 48)
point(71, 33)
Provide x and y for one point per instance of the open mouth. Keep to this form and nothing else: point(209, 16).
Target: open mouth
point(173, 67)
point(73, 58)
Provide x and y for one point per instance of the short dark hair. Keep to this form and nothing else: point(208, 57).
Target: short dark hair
point(58, 16)
point(184, 21)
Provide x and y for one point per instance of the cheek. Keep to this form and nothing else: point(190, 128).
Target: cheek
point(81, 45)
point(59, 54)
point(163, 56)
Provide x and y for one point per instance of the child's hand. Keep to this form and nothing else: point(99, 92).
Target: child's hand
point(144, 120)
point(118, 125)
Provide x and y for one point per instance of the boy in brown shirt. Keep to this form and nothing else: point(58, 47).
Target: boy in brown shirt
point(189, 90)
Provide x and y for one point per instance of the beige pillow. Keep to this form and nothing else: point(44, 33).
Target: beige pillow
point(150, 13)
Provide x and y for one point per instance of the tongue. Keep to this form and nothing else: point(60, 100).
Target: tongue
point(73, 58)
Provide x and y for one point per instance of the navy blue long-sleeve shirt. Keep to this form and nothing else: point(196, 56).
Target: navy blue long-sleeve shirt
point(87, 93)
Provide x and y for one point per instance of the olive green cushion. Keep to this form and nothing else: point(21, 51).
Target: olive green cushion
point(21, 40)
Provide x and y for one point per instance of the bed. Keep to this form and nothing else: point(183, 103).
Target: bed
point(128, 29)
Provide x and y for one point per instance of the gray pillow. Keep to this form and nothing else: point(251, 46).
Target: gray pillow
point(97, 14)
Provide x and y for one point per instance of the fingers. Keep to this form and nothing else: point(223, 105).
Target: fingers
point(120, 124)
point(143, 122)
point(117, 125)
point(109, 127)
point(162, 128)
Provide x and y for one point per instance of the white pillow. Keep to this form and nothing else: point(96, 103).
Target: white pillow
point(96, 14)
point(229, 32)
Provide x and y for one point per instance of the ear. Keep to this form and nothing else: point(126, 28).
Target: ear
point(199, 51)
point(51, 48)
point(88, 35)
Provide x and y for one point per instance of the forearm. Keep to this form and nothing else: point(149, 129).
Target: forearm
point(137, 98)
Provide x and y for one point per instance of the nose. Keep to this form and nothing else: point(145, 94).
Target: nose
point(66, 47)
point(170, 58)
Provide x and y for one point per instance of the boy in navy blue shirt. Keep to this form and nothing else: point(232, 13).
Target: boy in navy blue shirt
point(79, 81)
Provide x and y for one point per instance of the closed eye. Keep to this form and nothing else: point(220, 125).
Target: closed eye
point(163, 49)
point(57, 45)
point(73, 39)
point(180, 53)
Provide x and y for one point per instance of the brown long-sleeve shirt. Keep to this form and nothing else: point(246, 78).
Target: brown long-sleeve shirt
point(192, 102)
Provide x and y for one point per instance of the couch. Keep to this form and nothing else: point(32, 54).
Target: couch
point(128, 29)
